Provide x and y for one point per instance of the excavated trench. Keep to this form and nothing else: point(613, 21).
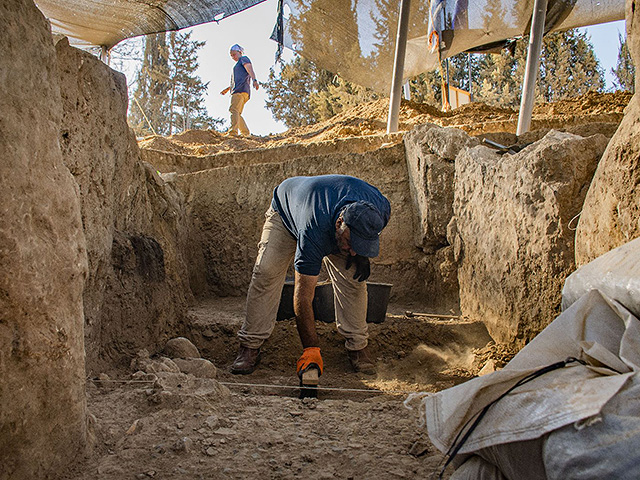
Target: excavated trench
point(171, 425)
point(241, 426)
point(114, 258)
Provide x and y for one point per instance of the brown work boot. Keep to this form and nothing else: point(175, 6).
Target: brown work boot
point(361, 361)
point(246, 361)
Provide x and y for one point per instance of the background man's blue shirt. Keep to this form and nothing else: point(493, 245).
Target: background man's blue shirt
point(240, 81)
point(309, 208)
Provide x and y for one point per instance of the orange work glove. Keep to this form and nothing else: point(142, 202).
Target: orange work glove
point(310, 357)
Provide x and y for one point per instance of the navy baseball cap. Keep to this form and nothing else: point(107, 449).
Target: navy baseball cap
point(365, 224)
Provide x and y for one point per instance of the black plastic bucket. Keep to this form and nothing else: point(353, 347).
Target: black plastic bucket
point(377, 301)
point(323, 306)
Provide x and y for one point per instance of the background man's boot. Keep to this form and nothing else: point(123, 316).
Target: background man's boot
point(361, 361)
point(246, 361)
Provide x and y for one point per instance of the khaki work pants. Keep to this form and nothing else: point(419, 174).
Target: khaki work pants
point(276, 250)
point(238, 101)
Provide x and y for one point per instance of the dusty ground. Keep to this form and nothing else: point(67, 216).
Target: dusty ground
point(177, 426)
point(174, 426)
point(369, 119)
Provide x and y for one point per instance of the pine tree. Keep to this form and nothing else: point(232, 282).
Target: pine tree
point(186, 104)
point(302, 93)
point(427, 88)
point(289, 90)
point(569, 67)
point(169, 96)
point(499, 77)
point(315, 34)
point(625, 71)
point(150, 100)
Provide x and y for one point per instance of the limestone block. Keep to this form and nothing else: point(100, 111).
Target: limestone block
point(514, 243)
point(198, 367)
point(611, 212)
point(431, 151)
point(181, 347)
point(43, 260)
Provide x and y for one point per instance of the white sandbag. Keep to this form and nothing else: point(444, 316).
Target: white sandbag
point(548, 424)
point(606, 446)
point(553, 400)
point(616, 274)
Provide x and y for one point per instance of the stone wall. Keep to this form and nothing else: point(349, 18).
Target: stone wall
point(431, 151)
point(43, 260)
point(137, 290)
point(611, 213)
point(512, 233)
point(227, 206)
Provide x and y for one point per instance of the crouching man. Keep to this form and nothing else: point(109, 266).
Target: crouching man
point(332, 218)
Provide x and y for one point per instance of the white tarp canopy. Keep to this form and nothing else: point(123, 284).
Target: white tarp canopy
point(107, 22)
point(356, 38)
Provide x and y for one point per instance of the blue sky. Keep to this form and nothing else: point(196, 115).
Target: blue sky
point(252, 29)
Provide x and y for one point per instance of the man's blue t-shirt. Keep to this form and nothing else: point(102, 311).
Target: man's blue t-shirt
point(240, 80)
point(309, 208)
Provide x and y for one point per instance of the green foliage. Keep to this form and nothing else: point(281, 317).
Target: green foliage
point(499, 77)
point(303, 94)
point(568, 68)
point(625, 71)
point(186, 105)
point(169, 96)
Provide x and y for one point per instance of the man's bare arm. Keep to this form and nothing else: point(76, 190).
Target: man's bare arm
point(304, 291)
point(249, 68)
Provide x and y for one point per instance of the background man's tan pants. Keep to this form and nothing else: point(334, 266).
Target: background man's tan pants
point(276, 250)
point(237, 105)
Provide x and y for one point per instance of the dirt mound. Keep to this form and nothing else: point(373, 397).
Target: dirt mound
point(164, 144)
point(591, 103)
point(371, 119)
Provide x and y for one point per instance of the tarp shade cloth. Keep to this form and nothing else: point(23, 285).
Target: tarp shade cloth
point(107, 22)
point(356, 38)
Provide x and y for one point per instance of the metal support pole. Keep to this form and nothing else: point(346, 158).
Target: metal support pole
point(104, 54)
point(398, 67)
point(407, 90)
point(470, 77)
point(533, 64)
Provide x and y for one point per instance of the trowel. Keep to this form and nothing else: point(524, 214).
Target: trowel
point(309, 382)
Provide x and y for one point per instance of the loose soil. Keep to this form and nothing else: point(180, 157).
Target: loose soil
point(371, 119)
point(176, 426)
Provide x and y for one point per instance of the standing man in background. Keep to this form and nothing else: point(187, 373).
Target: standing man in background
point(240, 88)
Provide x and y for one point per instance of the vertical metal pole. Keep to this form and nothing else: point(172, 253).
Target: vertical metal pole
point(398, 67)
point(104, 54)
point(470, 77)
point(407, 90)
point(533, 63)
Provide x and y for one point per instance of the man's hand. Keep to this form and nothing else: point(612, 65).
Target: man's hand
point(363, 268)
point(224, 92)
point(310, 357)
